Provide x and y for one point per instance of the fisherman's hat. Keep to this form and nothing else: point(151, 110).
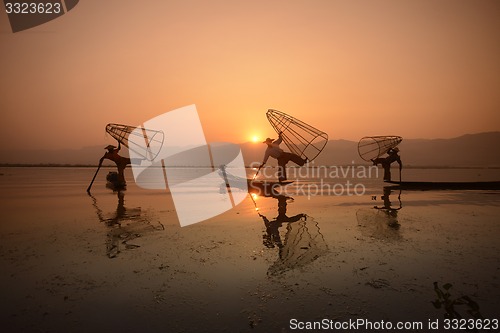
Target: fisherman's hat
point(268, 140)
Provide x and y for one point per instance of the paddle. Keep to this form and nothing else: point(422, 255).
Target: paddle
point(92, 182)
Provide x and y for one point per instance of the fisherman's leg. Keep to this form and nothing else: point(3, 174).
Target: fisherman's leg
point(282, 169)
point(297, 159)
point(121, 176)
point(294, 158)
point(387, 172)
point(121, 173)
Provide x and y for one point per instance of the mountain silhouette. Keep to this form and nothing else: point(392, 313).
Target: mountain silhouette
point(470, 150)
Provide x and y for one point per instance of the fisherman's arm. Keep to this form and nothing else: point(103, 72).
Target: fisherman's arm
point(278, 140)
point(106, 155)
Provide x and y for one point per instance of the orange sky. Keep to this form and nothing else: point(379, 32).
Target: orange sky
point(418, 69)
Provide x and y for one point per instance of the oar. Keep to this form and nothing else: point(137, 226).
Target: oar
point(92, 182)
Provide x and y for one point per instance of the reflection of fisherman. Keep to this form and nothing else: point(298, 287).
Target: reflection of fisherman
point(124, 225)
point(302, 244)
point(121, 162)
point(272, 236)
point(283, 157)
point(391, 212)
point(387, 161)
point(117, 234)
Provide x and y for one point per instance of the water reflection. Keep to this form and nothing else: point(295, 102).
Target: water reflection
point(124, 225)
point(381, 221)
point(302, 242)
point(452, 305)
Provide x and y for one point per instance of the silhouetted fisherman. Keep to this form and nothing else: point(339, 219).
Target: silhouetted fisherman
point(387, 161)
point(274, 150)
point(120, 161)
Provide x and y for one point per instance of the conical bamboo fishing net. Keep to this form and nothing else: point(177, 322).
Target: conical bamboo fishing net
point(371, 147)
point(145, 142)
point(302, 139)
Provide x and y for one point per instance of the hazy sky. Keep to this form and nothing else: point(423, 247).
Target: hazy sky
point(418, 69)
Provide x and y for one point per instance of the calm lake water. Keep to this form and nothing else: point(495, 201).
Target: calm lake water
point(119, 261)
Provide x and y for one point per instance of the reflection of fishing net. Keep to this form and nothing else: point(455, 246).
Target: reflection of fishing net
point(303, 244)
point(371, 147)
point(379, 223)
point(120, 235)
point(302, 139)
point(125, 225)
point(145, 142)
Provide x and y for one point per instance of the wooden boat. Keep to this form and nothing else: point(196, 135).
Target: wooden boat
point(423, 186)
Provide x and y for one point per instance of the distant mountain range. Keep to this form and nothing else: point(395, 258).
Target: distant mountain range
point(467, 150)
point(471, 150)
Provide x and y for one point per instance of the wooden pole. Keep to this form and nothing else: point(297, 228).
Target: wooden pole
point(92, 182)
point(255, 176)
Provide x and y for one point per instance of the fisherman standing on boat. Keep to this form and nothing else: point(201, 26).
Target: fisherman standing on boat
point(121, 162)
point(387, 161)
point(274, 150)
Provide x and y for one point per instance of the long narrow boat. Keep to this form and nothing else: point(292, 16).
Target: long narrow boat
point(493, 185)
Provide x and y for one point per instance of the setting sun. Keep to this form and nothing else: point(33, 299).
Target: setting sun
point(255, 139)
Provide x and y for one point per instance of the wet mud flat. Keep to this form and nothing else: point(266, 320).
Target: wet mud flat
point(120, 262)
